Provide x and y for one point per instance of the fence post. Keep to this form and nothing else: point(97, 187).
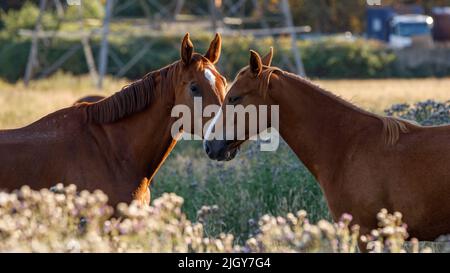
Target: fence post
point(295, 50)
point(103, 59)
point(32, 57)
point(213, 14)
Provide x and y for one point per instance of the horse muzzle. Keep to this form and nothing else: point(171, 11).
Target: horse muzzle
point(220, 150)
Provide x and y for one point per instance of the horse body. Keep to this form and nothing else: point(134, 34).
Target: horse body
point(117, 143)
point(64, 148)
point(362, 161)
point(361, 166)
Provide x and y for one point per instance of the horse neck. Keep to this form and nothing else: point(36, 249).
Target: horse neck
point(144, 139)
point(317, 125)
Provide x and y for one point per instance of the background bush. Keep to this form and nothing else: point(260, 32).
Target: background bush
point(325, 59)
point(425, 113)
point(329, 58)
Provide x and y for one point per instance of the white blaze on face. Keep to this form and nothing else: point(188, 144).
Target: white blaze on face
point(211, 125)
point(210, 77)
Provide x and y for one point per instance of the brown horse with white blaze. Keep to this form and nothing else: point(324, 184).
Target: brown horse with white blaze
point(362, 161)
point(115, 143)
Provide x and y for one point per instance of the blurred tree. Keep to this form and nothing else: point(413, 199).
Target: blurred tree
point(329, 15)
point(322, 15)
point(344, 15)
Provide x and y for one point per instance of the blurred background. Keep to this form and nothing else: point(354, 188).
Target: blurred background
point(389, 57)
point(322, 39)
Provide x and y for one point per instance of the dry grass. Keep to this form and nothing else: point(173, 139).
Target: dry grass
point(377, 95)
point(20, 105)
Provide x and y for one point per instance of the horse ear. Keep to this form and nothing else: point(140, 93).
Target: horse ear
point(255, 63)
point(267, 60)
point(213, 53)
point(187, 48)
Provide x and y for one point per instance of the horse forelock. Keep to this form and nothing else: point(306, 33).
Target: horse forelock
point(265, 79)
point(211, 75)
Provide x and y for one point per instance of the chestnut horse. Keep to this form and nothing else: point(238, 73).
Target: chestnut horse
point(115, 143)
point(362, 161)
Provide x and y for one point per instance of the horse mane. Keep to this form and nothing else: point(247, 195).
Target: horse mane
point(132, 98)
point(393, 127)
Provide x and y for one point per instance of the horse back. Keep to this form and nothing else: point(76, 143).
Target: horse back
point(38, 154)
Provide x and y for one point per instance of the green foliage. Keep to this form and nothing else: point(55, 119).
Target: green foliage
point(333, 58)
point(13, 59)
point(89, 9)
point(253, 184)
point(426, 113)
point(25, 18)
point(324, 58)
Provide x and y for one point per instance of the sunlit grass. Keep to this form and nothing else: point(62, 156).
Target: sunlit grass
point(377, 95)
point(20, 105)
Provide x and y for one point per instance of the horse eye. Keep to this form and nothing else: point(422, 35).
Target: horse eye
point(234, 99)
point(195, 90)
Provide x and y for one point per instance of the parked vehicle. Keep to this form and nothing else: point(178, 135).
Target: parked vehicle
point(407, 29)
point(399, 30)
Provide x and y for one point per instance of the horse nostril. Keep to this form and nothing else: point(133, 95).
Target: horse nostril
point(207, 150)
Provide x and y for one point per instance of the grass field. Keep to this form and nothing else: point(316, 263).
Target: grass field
point(254, 183)
point(20, 106)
